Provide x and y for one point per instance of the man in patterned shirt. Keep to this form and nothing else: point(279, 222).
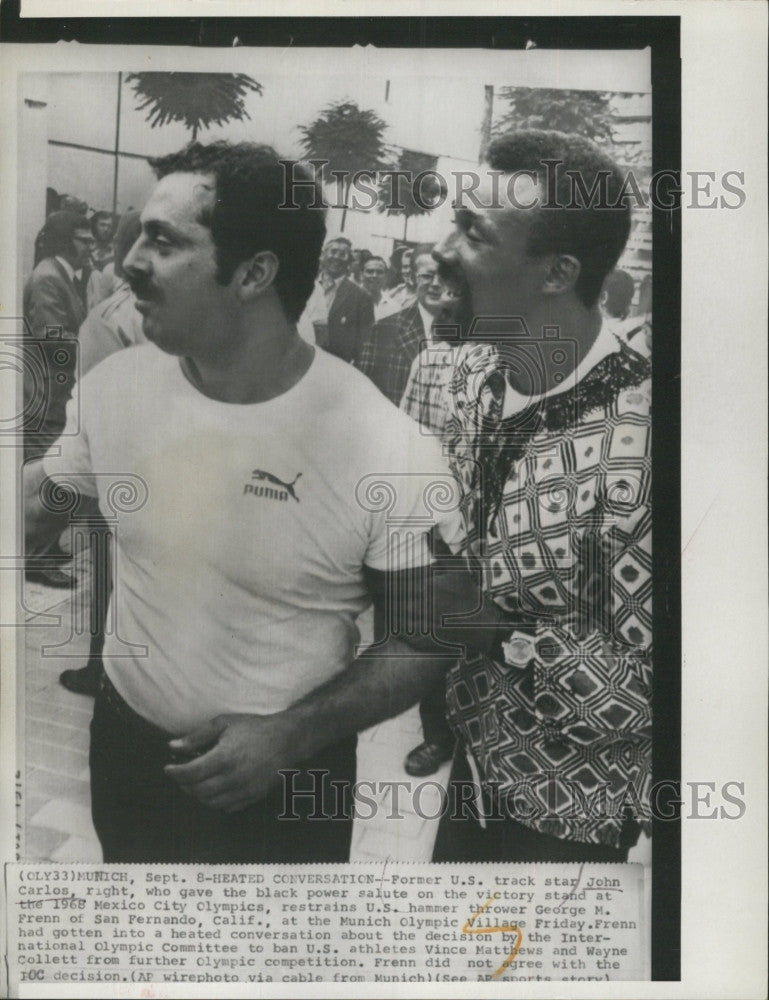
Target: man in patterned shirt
point(547, 429)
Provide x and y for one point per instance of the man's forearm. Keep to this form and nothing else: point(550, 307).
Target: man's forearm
point(377, 686)
point(237, 759)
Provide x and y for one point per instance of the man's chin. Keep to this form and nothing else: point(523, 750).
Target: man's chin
point(160, 338)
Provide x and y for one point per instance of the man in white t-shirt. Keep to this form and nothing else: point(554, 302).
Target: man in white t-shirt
point(268, 493)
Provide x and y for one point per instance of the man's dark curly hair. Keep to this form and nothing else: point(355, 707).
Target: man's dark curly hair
point(247, 216)
point(58, 232)
point(594, 229)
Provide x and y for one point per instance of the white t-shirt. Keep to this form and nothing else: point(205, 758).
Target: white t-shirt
point(240, 577)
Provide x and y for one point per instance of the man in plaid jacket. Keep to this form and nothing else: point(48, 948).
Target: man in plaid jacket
point(388, 351)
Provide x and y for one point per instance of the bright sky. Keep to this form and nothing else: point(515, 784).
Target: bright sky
point(434, 102)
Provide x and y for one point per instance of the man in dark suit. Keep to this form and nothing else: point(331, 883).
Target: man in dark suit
point(339, 313)
point(54, 308)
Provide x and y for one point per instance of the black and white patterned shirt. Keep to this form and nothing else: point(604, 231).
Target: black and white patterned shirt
point(556, 503)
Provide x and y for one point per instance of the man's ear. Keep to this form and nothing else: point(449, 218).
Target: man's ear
point(562, 275)
point(253, 277)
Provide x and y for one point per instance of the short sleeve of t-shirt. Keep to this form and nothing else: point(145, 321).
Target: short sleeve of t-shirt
point(68, 461)
point(414, 492)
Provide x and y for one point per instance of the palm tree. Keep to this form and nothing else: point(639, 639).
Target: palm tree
point(197, 100)
point(347, 139)
point(400, 196)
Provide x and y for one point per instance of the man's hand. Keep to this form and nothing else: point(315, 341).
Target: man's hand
point(242, 755)
point(240, 759)
point(42, 524)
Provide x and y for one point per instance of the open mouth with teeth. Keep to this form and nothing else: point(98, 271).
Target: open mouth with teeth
point(454, 282)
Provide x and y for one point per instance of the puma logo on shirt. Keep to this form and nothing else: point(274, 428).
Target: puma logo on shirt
point(283, 491)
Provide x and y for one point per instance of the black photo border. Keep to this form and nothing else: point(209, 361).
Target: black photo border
point(662, 36)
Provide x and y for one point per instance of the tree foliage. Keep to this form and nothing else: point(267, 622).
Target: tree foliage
point(399, 195)
point(197, 100)
point(591, 113)
point(348, 139)
point(586, 112)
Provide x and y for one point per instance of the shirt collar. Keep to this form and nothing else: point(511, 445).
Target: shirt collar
point(427, 320)
point(329, 285)
point(71, 272)
point(605, 343)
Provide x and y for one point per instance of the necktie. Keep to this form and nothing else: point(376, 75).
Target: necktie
point(81, 284)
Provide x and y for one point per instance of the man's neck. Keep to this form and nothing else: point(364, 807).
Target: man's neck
point(328, 280)
point(265, 362)
point(428, 319)
point(67, 265)
point(577, 326)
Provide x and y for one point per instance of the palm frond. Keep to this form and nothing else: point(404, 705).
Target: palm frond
point(196, 100)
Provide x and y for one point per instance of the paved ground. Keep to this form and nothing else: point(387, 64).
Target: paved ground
point(56, 809)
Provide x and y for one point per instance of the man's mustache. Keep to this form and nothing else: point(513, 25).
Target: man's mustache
point(456, 284)
point(143, 291)
point(453, 279)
